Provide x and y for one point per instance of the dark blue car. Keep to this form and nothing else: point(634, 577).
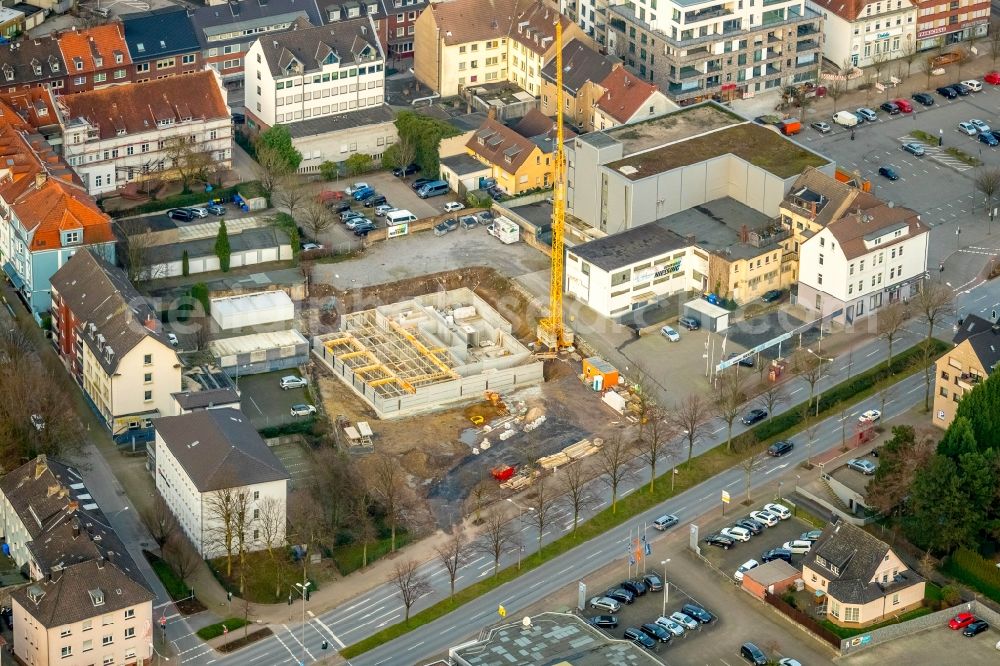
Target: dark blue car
point(989, 139)
point(888, 172)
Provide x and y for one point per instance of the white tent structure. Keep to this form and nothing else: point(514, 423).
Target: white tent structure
point(248, 310)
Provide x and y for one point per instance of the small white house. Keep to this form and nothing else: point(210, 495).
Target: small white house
point(213, 457)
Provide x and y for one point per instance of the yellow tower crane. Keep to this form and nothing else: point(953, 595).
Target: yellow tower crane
point(552, 332)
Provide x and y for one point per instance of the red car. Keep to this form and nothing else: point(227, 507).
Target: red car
point(993, 78)
point(903, 105)
point(961, 620)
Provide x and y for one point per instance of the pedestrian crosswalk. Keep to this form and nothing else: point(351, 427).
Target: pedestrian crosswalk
point(937, 154)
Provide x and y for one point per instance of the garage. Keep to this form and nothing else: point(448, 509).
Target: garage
point(712, 317)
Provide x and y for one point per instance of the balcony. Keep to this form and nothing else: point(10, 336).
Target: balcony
point(684, 90)
point(807, 30)
point(706, 14)
point(688, 72)
point(807, 45)
point(968, 380)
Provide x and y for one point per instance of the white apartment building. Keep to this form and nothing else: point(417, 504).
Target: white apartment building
point(122, 134)
point(868, 31)
point(206, 454)
point(308, 73)
point(863, 261)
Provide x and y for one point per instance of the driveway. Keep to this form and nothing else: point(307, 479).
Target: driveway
point(264, 401)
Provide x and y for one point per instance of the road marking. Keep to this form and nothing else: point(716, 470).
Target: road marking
point(414, 646)
point(329, 631)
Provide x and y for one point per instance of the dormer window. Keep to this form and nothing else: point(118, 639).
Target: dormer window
point(121, 132)
point(72, 237)
point(98, 62)
point(96, 597)
point(78, 62)
point(8, 72)
point(119, 58)
point(36, 67)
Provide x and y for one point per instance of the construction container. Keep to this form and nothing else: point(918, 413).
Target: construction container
point(598, 371)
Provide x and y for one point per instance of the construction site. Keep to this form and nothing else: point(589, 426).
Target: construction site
point(426, 352)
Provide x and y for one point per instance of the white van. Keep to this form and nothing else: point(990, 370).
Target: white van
point(798, 546)
point(845, 118)
point(399, 217)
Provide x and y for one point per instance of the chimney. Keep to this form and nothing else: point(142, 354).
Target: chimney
point(70, 508)
point(492, 113)
point(40, 467)
point(151, 322)
point(52, 490)
point(76, 528)
point(100, 562)
point(40, 179)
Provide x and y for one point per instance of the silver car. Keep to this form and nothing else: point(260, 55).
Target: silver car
point(291, 382)
point(684, 620)
point(866, 467)
point(198, 211)
point(605, 603)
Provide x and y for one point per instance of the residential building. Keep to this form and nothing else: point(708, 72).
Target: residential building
point(398, 29)
point(628, 99)
point(591, 16)
point(161, 42)
point(45, 213)
point(308, 73)
point(464, 173)
point(457, 44)
point(862, 578)
point(868, 258)
point(112, 343)
point(519, 163)
point(974, 357)
point(367, 131)
point(946, 23)
point(33, 62)
point(583, 70)
point(95, 57)
point(864, 32)
point(87, 599)
point(227, 30)
point(145, 130)
point(204, 457)
point(729, 48)
point(346, 10)
point(11, 22)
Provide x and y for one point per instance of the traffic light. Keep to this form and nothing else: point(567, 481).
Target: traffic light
point(289, 598)
point(229, 596)
point(325, 645)
point(308, 592)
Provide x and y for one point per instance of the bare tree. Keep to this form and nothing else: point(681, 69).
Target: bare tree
point(835, 91)
point(220, 510)
point(753, 460)
point(388, 486)
point(910, 54)
point(540, 505)
point(307, 521)
point(290, 194)
point(927, 358)
point(271, 525)
point(243, 530)
point(577, 491)
point(181, 555)
point(995, 45)
point(770, 396)
point(364, 526)
point(927, 66)
point(480, 496)
point(138, 243)
point(891, 321)
point(615, 461)
point(728, 402)
point(316, 218)
point(936, 300)
point(690, 417)
point(160, 520)
point(410, 583)
point(453, 554)
point(272, 167)
point(987, 180)
point(886, 395)
point(497, 537)
point(810, 367)
point(654, 442)
point(188, 159)
point(811, 433)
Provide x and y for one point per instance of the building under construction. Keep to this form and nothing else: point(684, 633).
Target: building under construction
point(427, 352)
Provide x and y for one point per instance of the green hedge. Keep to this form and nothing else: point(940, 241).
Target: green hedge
point(216, 630)
point(174, 585)
point(974, 570)
point(247, 190)
point(287, 223)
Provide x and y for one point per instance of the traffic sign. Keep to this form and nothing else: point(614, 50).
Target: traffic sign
point(163, 621)
point(725, 496)
point(502, 611)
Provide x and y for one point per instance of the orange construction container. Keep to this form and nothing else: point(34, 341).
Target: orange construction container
point(596, 366)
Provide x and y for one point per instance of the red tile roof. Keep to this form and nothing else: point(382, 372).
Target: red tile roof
point(849, 10)
point(496, 143)
point(84, 47)
point(138, 107)
point(530, 22)
point(624, 94)
point(33, 105)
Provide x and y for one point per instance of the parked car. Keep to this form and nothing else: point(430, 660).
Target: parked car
point(172, 339)
point(306, 247)
point(302, 409)
point(420, 182)
point(354, 222)
point(923, 98)
point(197, 211)
point(889, 107)
point(452, 206)
point(671, 626)
point(723, 542)
point(772, 295)
point(820, 127)
point(968, 128)
point(653, 582)
point(989, 139)
point(665, 522)
point(604, 621)
point(292, 382)
point(348, 214)
point(605, 603)
point(355, 187)
point(753, 654)
point(961, 89)
point(798, 546)
point(992, 78)
point(868, 114)
point(375, 201)
point(947, 92)
point(363, 228)
point(776, 554)
point(639, 637)
point(684, 620)
point(780, 448)
point(754, 416)
point(736, 533)
point(961, 621)
point(979, 125)
point(752, 526)
point(636, 587)
point(871, 416)
point(904, 106)
point(340, 206)
point(866, 467)
point(698, 613)
point(788, 661)
point(973, 85)
point(746, 361)
point(916, 149)
point(408, 170)
point(656, 632)
point(888, 172)
point(977, 627)
point(743, 568)
point(182, 214)
point(690, 323)
point(670, 334)
point(468, 221)
point(216, 209)
point(778, 510)
point(620, 594)
point(363, 193)
point(381, 210)
point(811, 535)
point(765, 517)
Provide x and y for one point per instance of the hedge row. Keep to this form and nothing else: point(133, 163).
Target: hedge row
point(974, 570)
point(215, 630)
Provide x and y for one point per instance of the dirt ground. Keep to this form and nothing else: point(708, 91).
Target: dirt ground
point(441, 452)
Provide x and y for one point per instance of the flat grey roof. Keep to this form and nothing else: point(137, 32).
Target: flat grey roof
point(630, 247)
point(538, 213)
point(248, 239)
point(370, 116)
point(716, 226)
point(597, 139)
point(678, 125)
point(464, 164)
point(552, 638)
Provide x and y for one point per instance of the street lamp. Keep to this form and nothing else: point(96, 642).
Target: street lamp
point(520, 534)
point(822, 359)
point(152, 651)
point(303, 589)
point(666, 585)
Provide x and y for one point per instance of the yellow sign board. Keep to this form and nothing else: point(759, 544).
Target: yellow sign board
point(502, 611)
point(725, 496)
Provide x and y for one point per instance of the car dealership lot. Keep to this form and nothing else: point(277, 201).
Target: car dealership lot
point(771, 537)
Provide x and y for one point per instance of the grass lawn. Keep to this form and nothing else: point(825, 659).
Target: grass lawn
point(175, 586)
point(267, 581)
point(215, 630)
point(350, 557)
point(847, 632)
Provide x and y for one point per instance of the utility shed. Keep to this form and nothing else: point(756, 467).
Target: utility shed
point(595, 367)
point(773, 577)
point(247, 310)
point(712, 317)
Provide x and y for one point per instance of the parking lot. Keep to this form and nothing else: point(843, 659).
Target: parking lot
point(265, 402)
point(771, 537)
point(296, 462)
point(940, 645)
